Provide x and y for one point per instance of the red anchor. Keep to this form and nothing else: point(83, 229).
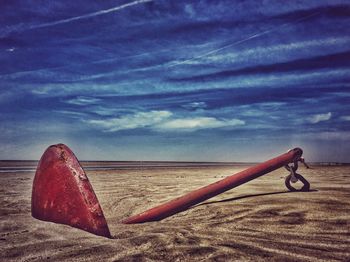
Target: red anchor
point(63, 194)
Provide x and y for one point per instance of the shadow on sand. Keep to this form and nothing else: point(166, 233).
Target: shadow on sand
point(255, 195)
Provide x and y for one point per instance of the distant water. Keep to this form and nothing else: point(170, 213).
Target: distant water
point(30, 166)
point(16, 169)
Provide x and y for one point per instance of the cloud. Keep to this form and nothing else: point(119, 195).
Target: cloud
point(338, 60)
point(42, 91)
point(278, 52)
point(345, 118)
point(83, 100)
point(138, 120)
point(162, 121)
point(94, 14)
point(21, 27)
point(105, 111)
point(252, 36)
point(320, 118)
point(71, 113)
point(191, 124)
point(195, 105)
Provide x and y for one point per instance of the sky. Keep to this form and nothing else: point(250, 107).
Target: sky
point(175, 80)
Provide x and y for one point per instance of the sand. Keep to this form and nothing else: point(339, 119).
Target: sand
point(258, 221)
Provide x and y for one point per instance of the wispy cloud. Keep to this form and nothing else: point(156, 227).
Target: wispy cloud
point(195, 105)
point(258, 34)
point(94, 14)
point(320, 118)
point(162, 121)
point(192, 124)
point(73, 114)
point(21, 27)
point(105, 111)
point(137, 120)
point(41, 91)
point(345, 118)
point(275, 52)
point(83, 100)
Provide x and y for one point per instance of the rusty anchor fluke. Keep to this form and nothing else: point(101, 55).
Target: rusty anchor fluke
point(63, 194)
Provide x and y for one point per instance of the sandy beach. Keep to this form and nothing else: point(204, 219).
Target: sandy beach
point(258, 221)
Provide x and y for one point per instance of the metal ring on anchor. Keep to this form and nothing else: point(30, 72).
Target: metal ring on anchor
point(291, 168)
point(306, 186)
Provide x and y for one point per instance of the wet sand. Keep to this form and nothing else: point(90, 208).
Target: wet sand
point(257, 221)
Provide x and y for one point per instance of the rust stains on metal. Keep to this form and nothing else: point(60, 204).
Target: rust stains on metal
point(63, 194)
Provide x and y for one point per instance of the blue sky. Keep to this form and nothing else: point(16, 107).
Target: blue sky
point(175, 80)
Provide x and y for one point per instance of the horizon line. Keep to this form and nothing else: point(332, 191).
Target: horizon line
point(179, 161)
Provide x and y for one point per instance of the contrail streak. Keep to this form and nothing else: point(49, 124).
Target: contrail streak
point(94, 14)
point(243, 40)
